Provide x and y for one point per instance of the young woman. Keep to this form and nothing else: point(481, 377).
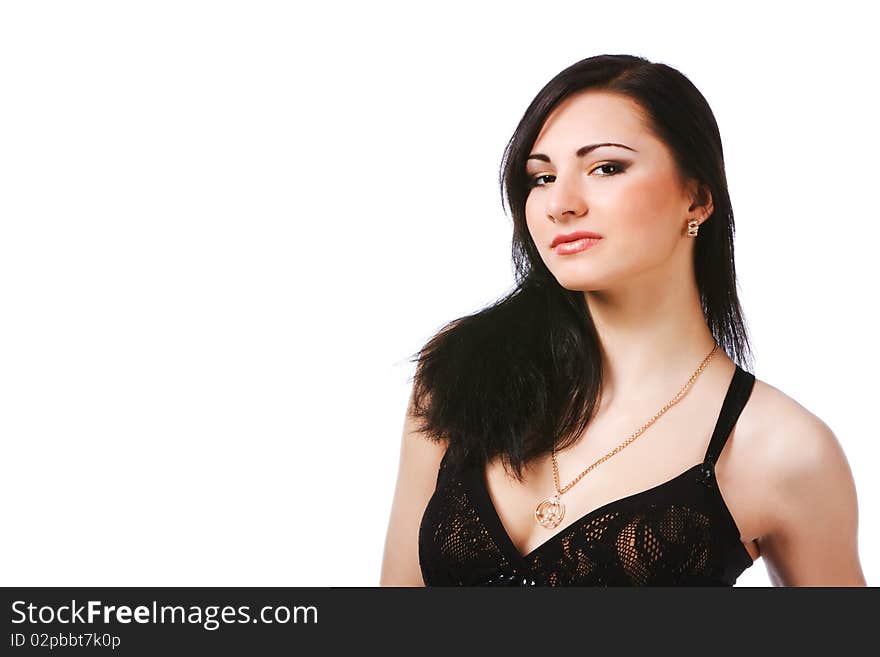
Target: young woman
point(599, 425)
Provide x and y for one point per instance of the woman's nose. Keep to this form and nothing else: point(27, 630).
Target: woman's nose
point(565, 200)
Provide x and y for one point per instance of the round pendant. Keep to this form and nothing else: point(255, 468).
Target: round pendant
point(549, 512)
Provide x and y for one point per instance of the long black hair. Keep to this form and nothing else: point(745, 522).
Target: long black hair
point(523, 375)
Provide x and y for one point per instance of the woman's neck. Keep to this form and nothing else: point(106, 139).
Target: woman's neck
point(652, 339)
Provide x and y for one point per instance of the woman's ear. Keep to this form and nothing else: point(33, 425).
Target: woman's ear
point(702, 198)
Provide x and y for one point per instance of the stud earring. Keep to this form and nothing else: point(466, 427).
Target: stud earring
point(693, 228)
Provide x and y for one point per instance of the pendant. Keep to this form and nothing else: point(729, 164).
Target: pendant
point(549, 512)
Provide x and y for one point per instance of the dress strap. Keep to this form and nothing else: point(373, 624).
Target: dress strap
point(737, 395)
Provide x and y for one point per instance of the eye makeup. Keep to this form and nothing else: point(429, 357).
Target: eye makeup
point(617, 167)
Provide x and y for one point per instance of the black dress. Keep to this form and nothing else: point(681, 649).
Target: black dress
point(678, 533)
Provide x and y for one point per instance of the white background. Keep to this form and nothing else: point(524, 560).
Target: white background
point(227, 225)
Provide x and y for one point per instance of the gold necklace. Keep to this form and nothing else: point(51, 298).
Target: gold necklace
point(550, 511)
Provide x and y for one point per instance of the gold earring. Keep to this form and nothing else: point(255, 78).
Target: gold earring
point(693, 228)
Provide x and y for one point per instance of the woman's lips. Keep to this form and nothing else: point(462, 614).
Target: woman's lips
point(575, 246)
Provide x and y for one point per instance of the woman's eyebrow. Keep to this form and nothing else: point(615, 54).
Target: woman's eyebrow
point(583, 150)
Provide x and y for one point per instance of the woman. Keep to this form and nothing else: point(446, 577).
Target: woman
point(592, 427)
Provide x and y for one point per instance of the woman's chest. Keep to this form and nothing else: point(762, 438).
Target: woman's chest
point(646, 475)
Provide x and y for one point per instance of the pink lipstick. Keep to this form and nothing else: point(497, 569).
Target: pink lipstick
point(576, 242)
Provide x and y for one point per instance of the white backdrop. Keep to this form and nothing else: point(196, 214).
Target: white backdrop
point(226, 226)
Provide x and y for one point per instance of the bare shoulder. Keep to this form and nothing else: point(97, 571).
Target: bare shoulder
point(809, 517)
point(418, 468)
point(789, 440)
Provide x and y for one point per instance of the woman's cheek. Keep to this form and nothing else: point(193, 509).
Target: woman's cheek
point(649, 203)
point(538, 231)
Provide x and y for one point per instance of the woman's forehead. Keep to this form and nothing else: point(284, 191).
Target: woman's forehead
point(592, 117)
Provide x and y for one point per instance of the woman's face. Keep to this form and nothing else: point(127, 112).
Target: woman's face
point(631, 195)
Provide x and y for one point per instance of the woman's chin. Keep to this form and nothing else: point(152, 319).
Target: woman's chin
point(580, 284)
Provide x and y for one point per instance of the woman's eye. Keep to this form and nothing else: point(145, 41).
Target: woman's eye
point(617, 168)
point(613, 165)
point(534, 181)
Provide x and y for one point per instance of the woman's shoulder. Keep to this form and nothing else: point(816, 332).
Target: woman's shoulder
point(782, 430)
point(792, 451)
point(806, 508)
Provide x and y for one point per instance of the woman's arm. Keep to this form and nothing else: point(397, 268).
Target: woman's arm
point(416, 478)
point(812, 511)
